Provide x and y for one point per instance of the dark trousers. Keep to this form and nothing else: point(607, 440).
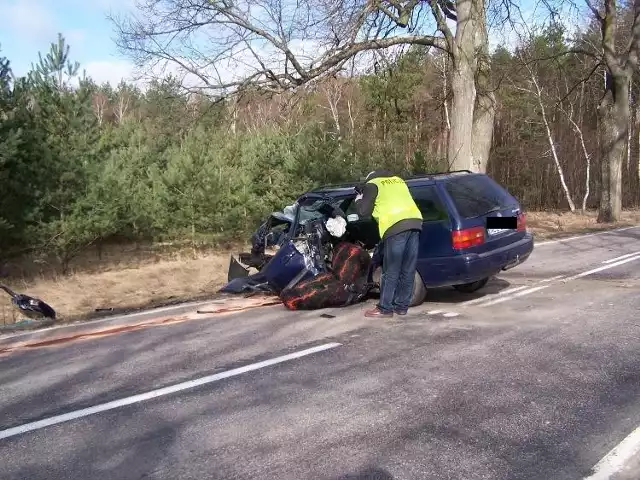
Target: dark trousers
point(400, 256)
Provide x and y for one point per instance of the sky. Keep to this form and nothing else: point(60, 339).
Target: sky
point(29, 26)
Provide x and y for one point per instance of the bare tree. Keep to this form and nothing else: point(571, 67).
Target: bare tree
point(332, 90)
point(123, 102)
point(528, 64)
point(257, 115)
point(193, 105)
point(99, 103)
point(619, 63)
point(274, 45)
point(537, 91)
point(567, 102)
point(441, 62)
point(233, 116)
point(587, 156)
point(352, 110)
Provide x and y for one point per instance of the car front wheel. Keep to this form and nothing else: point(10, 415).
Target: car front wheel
point(471, 287)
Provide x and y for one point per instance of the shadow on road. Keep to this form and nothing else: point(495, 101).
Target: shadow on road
point(451, 295)
point(127, 453)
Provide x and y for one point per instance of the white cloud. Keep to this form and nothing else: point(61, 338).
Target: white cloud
point(29, 19)
point(111, 71)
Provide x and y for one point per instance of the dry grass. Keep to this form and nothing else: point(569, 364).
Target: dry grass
point(132, 277)
point(147, 279)
point(558, 224)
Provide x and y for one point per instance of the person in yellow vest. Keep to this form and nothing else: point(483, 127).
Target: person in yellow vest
point(387, 199)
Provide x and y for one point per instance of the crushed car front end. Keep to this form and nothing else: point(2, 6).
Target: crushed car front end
point(302, 242)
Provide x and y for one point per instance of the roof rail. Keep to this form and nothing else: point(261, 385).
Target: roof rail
point(339, 185)
point(412, 177)
point(427, 175)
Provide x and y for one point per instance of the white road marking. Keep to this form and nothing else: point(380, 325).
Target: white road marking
point(508, 291)
point(560, 240)
point(557, 277)
point(621, 257)
point(615, 460)
point(493, 295)
point(433, 312)
point(515, 295)
point(10, 432)
point(450, 314)
point(600, 269)
point(497, 298)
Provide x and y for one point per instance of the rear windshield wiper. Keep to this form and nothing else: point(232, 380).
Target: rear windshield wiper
point(494, 209)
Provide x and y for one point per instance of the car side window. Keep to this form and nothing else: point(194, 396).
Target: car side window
point(428, 201)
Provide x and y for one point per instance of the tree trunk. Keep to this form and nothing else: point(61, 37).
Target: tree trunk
point(234, 118)
point(556, 160)
point(460, 154)
point(614, 114)
point(587, 160)
point(630, 128)
point(443, 140)
point(587, 157)
point(485, 106)
point(473, 104)
point(352, 121)
point(482, 137)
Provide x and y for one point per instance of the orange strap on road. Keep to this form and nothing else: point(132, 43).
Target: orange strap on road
point(230, 306)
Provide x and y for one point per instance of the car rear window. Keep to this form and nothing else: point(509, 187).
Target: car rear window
point(476, 195)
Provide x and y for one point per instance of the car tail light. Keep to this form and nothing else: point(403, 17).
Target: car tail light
point(522, 222)
point(469, 237)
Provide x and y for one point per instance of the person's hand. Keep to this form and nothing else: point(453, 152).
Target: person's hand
point(358, 197)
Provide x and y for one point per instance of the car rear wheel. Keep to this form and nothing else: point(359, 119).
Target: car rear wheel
point(471, 287)
point(419, 293)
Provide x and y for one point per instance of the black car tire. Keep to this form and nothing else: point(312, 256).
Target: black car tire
point(471, 287)
point(419, 293)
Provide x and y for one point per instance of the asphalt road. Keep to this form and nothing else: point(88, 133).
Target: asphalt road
point(537, 377)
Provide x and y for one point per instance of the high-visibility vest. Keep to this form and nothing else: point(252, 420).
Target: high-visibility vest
point(393, 203)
